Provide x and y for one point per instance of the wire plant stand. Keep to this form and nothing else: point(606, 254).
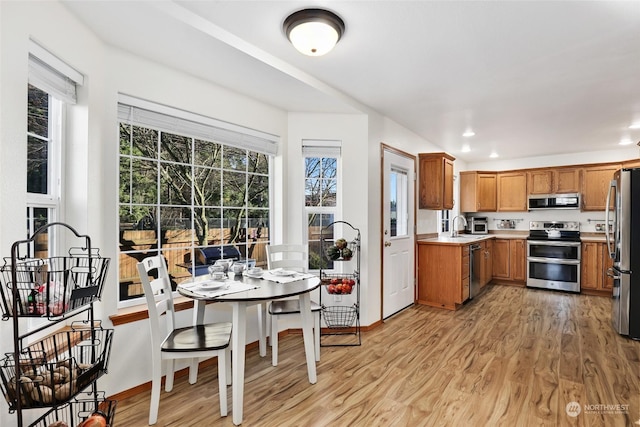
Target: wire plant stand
point(340, 290)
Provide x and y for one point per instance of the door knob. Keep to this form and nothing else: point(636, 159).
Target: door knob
point(387, 244)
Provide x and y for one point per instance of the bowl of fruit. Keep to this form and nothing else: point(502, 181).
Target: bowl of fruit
point(342, 286)
point(339, 251)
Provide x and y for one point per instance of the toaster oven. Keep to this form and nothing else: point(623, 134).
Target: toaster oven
point(477, 225)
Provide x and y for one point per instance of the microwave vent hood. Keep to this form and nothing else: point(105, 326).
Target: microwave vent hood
point(554, 201)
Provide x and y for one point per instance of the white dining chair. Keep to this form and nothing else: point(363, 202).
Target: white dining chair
point(170, 343)
point(290, 257)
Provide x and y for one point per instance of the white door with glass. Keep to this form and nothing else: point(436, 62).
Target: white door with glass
point(398, 272)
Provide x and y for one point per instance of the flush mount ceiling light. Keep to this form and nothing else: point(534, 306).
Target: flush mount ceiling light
point(313, 32)
point(468, 133)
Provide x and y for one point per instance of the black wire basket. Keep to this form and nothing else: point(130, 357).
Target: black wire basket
point(78, 410)
point(339, 316)
point(52, 287)
point(55, 369)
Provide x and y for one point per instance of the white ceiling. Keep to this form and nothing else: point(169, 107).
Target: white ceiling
point(530, 78)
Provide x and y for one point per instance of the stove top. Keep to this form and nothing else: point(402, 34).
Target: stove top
point(554, 231)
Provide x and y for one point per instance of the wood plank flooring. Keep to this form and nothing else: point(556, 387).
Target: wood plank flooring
point(510, 357)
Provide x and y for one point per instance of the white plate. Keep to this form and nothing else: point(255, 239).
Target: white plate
point(210, 285)
point(282, 273)
point(254, 276)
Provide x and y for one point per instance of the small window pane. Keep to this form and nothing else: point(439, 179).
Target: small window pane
point(144, 181)
point(125, 139)
point(235, 158)
point(207, 153)
point(145, 142)
point(329, 192)
point(175, 148)
point(235, 188)
point(207, 187)
point(37, 165)
point(312, 167)
point(175, 184)
point(258, 191)
point(258, 163)
point(38, 112)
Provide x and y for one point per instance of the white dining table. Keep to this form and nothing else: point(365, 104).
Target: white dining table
point(265, 291)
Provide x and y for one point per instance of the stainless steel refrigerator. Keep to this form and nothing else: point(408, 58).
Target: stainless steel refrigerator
point(623, 245)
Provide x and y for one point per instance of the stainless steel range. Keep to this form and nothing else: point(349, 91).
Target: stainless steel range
point(553, 255)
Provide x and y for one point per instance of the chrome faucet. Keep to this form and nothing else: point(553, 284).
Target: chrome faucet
point(454, 233)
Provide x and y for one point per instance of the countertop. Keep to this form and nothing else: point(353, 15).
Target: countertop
point(465, 239)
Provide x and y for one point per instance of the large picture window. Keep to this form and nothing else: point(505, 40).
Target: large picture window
point(193, 200)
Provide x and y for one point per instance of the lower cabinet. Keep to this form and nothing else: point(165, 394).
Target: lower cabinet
point(595, 262)
point(486, 266)
point(443, 275)
point(509, 260)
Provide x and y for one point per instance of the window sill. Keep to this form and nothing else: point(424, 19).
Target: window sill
point(140, 312)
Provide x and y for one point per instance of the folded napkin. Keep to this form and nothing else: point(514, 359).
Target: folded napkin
point(231, 287)
point(274, 276)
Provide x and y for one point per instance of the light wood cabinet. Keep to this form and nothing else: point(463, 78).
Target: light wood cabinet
point(486, 266)
point(509, 260)
point(595, 262)
point(518, 259)
point(436, 181)
point(478, 192)
point(512, 191)
point(553, 181)
point(443, 275)
point(595, 185)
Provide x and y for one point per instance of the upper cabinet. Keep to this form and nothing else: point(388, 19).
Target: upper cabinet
point(553, 181)
point(478, 192)
point(595, 185)
point(436, 181)
point(512, 191)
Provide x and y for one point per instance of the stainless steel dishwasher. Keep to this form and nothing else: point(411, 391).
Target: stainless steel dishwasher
point(475, 259)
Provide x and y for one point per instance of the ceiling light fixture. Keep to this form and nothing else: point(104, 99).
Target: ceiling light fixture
point(468, 133)
point(626, 141)
point(466, 148)
point(493, 155)
point(313, 32)
point(635, 126)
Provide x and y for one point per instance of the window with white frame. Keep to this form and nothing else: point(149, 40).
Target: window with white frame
point(321, 194)
point(51, 88)
point(192, 189)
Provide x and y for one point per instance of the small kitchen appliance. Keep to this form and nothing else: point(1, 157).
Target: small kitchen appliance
point(477, 225)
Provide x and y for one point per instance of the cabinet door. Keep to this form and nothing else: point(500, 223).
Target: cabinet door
point(566, 180)
point(436, 181)
point(539, 181)
point(486, 192)
point(501, 262)
point(448, 183)
point(512, 192)
point(591, 266)
point(595, 185)
point(487, 270)
point(517, 260)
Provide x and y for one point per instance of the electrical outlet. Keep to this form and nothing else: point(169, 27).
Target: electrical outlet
point(599, 227)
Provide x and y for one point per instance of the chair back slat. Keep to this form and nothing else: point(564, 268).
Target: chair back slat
point(288, 256)
point(158, 294)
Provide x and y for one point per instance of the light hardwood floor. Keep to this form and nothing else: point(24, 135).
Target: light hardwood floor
point(511, 357)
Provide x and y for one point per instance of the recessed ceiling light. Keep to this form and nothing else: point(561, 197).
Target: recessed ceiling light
point(493, 155)
point(468, 133)
point(466, 148)
point(626, 141)
point(635, 126)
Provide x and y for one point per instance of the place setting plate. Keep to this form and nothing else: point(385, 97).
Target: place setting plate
point(212, 285)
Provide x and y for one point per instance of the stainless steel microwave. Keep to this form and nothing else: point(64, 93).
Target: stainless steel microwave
point(554, 201)
point(477, 225)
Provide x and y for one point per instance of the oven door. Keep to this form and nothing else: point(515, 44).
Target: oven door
point(553, 265)
point(553, 249)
